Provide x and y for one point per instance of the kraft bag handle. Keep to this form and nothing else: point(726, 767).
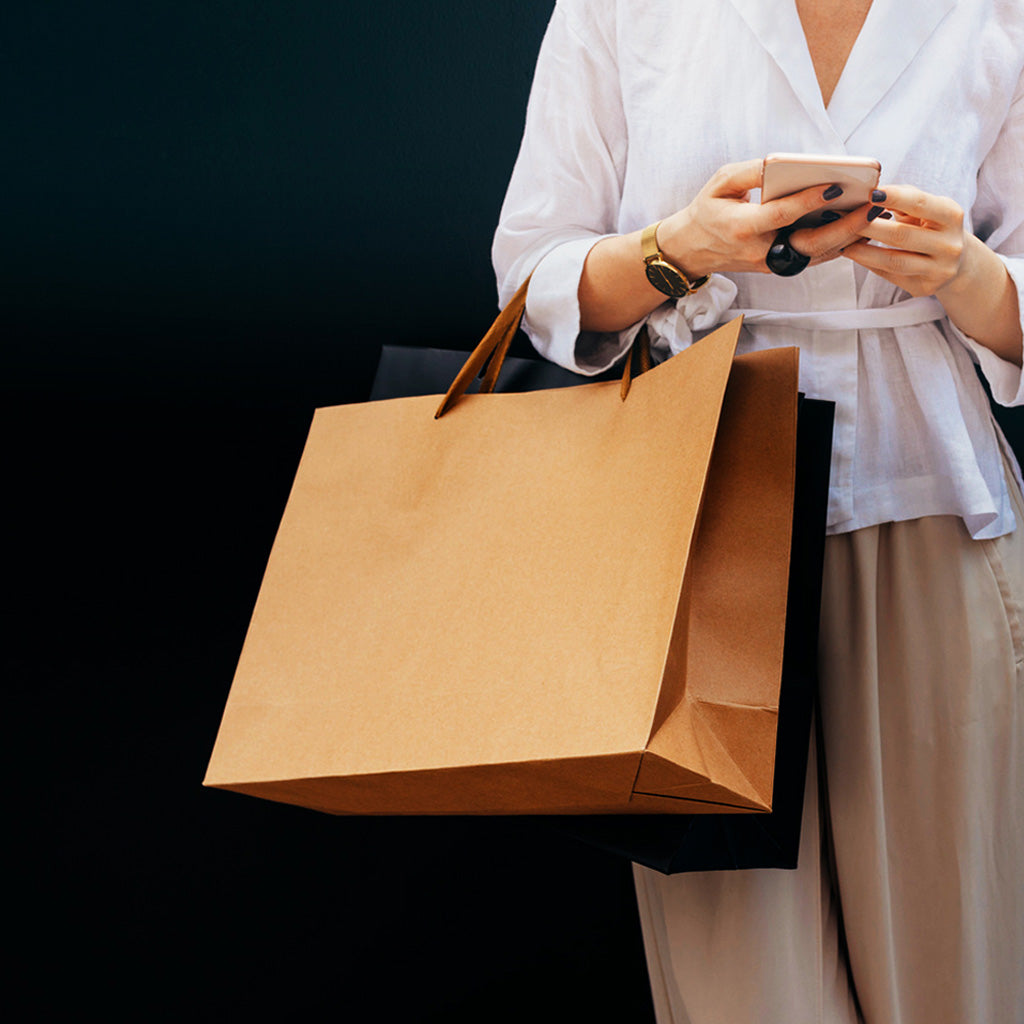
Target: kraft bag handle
point(495, 345)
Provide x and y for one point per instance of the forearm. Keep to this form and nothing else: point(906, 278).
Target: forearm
point(982, 301)
point(614, 291)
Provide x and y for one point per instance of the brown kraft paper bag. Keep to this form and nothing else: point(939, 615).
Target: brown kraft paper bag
point(568, 601)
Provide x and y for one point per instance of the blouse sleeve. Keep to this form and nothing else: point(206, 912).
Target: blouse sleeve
point(998, 218)
point(566, 184)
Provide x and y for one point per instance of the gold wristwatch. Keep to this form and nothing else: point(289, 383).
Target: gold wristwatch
point(666, 278)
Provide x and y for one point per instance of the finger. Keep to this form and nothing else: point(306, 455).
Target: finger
point(909, 236)
point(777, 214)
point(832, 237)
point(736, 179)
point(889, 263)
point(914, 204)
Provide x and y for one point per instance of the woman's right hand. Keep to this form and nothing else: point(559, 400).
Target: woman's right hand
point(721, 230)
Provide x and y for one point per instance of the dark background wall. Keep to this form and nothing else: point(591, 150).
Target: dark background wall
point(214, 212)
point(242, 197)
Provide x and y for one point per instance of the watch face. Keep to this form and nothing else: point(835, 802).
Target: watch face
point(667, 279)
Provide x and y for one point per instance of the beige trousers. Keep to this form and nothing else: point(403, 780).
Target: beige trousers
point(919, 919)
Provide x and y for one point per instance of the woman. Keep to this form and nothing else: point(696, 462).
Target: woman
point(907, 906)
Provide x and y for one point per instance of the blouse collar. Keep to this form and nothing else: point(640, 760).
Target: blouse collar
point(893, 33)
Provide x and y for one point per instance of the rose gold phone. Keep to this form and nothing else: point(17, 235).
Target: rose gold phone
point(786, 173)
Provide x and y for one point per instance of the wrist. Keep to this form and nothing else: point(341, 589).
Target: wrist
point(666, 276)
point(675, 234)
point(981, 300)
point(979, 269)
point(672, 240)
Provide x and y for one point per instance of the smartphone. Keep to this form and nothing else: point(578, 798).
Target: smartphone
point(786, 173)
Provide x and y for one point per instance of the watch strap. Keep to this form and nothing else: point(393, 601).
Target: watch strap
point(649, 242)
point(665, 276)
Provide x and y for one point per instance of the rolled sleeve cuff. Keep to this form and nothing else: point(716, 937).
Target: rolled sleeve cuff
point(1004, 378)
point(552, 318)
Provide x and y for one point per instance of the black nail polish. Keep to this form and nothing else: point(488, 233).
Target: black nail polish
point(885, 216)
point(874, 212)
point(832, 192)
point(878, 196)
point(828, 216)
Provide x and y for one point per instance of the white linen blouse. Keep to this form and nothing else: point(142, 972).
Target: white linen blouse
point(635, 103)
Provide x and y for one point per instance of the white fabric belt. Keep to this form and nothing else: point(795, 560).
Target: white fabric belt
point(899, 314)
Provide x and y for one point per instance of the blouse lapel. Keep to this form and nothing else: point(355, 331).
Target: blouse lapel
point(777, 28)
point(893, 33)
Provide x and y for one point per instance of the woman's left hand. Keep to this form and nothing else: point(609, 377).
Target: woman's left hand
point(922, 247)
point(925, 251)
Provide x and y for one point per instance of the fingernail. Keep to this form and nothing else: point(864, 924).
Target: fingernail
point(832, 192)
point(828, 216)
point(885, 216)
point(878, 196)
point(874, 212)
